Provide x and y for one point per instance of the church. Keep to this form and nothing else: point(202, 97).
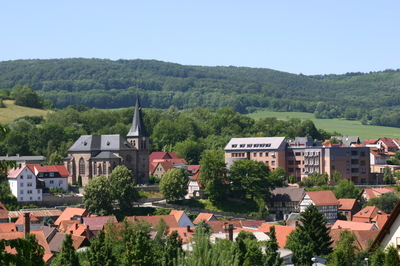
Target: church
point(95, 155)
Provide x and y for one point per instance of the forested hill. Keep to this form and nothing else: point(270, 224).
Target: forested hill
point(372, 97)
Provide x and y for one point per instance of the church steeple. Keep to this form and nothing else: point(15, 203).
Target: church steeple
point(137, 129)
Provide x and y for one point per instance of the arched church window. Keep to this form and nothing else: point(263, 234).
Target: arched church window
point(81, 166)
point(104, 168)
point(94, 169)
point(143, 144)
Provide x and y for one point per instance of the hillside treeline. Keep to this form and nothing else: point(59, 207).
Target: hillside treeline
point(373, 98)
point(186, 132)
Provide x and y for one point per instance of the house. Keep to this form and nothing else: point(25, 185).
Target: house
point(362, 241)
point(195, 187)
point(3, 214)
point(71, 213)
point(93, 155)
point(170, 220)
point(367, 214)
point(161, 168)
point(193, 169)
point(348, 141)
point(369, 193)
point(352, 226)
point(182, 218)
point(161, 162)
point(95, 224)
point(77, 242)
point(53, 176)
point(388, 145)
point(390, 232)
point(206, 217)
point(324, 200)
point(281, 232)
point(186, 233)
point(284, 201)
point(348, 207)
point(24, 185)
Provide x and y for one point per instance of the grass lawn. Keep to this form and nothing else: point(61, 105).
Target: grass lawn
point(221, 206)
point(12, 112)
point(344, 127)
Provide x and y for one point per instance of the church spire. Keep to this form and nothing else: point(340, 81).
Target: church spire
point(137, 128)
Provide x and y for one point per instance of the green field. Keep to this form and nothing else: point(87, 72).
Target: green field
point(345, 127)
point(12, 112)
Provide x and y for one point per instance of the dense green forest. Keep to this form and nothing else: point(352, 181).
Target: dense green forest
point(373, 98)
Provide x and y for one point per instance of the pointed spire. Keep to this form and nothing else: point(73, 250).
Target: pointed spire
point(137, 128)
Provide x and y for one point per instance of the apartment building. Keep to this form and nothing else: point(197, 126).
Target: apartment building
point(303, 156)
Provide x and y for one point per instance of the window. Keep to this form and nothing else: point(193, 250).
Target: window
point(51, 182)
point(260, 154)
point(104, 168)
point(234, 145)
point(21, 177)
point(354, 170)
point(249, 145)
point(362, 153)
point(38, 198)
point(332, 158)
point(354, 161)
point(298, 162)
point(298, 153)
point(347, 171)
point(21, 184)
point(242, 145)
point(347, 163)
point(332, 167)
point(255, 154)
point(21, 198)
point(290, 162)
point(21, 192)
point(267, 162)
point(363, 170)
point(290, 170)
point(38, 191)
point(94, 169)
point(29, 184)
point(81, 166)
point(30, 198)
point(266, 154)
point(347, 153)
point(51, 174)
point(354, 153)
point(29, 191)
point(29, 176)
point(272, 162)
point(362, 163)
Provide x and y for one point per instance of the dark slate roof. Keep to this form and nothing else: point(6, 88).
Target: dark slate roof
point(287, 194)
point(106, 155)
point(100, 143)
point(137, 128)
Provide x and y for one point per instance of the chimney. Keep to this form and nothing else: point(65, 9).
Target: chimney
point(27, 224)
point(230, 232)
point(71, 232)
point(339, 227)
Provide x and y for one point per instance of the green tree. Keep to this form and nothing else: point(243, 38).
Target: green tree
point(378, 257)
point(123, 188)
point(213, 174)
point(252, 177)
point(386, 202)
point(173, 248)
point(28, 252)
point(345, 253)
point(300, 243)
point(139, 250)
point(98, 196)
point(336, 176)
point(173, 184)
point(312, 227)
point(25, 96)
point(272, 256)
point(346, 189)
point(67, 255)
point(387, 175)
point(392, 256)
point(100, 252)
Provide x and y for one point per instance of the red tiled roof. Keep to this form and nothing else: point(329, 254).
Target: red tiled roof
point(177, 214)
point(368, 212)
point(352, 225)
point(14, 172)
point(37, 168)
point(282, 232)
point(370, 141)
point(203, 216)
point(218, 226)
point(363, 237)
point(32, 218)
point(193, 169)
point(69, 212)
point(154, 219)
point(323, 198)
point(383, 190)
point(162, 155)
point(380, 220)
point(97, 223)
point(252, 223)
point(7, 227)
point(346, 204)
point(186, 235)
point(388, 142)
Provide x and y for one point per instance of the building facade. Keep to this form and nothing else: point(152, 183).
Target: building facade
point(95, 155)
point(24, 185)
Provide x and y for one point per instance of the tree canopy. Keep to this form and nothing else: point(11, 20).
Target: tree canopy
point(174, 184)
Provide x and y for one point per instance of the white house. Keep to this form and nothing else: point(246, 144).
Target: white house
point(24, 184)
point(324, 200)
point(55, 176)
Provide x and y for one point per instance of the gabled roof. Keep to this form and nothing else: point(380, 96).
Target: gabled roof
point(177, 214)
point(347, 204)
point(282, 232)
point(37, 168)
point(193, 169)
point(98, 222)
point(323, 197)
point(252, 224)
point(16, 171)
point(77, 242)
point(137, 129)
point(218, 226)
point(388, 142)
point(154, 219)
point(204, 217)
point(173, 161)
point(353, 225)
point(106, 155)
point(183, 232)
point(162, 155)
point(99, 143)
point(70, 212)
point(363, 237)
point(165, 166)
point(3, 211)
point(287, 194)
point(380, 220)
point(370, 141)
point(7, 227)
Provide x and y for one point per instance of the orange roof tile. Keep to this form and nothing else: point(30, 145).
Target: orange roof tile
point(177, 214)
point(353, 225)
point(183, 232)
point(218, 226)
point(323, 197)
point(3, 211)
point(7, 227)
point(347, 204)
point(32, 218)
point(204, 217)
point(368, 212)
point(380, 220)
point(37, 168)
point(282, 232)
point(70, 212)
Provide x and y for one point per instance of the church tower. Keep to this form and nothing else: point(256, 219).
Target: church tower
point(138, 138)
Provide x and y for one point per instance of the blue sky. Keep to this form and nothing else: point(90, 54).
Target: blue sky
point(309, 37)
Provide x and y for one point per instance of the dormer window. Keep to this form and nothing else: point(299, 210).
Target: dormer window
point(234, 145)
point(249, 145)
point(256, 145)
point(242, 145)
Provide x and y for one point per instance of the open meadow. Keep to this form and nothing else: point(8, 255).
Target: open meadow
point(344, 127)
point(12, 112)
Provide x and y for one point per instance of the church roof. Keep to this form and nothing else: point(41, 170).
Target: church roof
point(106, 155)
point(100, 143)
point(137, 128)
